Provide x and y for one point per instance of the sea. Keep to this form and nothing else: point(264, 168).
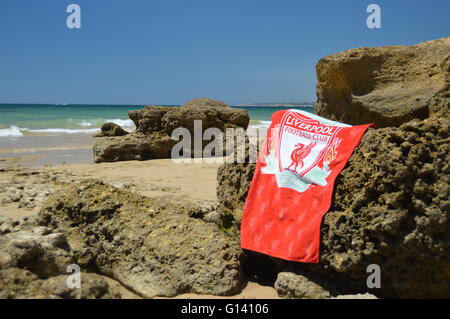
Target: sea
point(23, 119)
point(52, 134)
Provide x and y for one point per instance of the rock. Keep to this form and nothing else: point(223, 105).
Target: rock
point(212, 217)
point(390, 207)
point(44, 255)
point(92, 286)
point(233, 180)
point(303, 285)
point(134, 146)
point(212, 113)
point(233, 183)
point(29, 195)
point(111, 129)
point(22, 284)
point(154, 246)
point(155, 124)
point(387, 86)
point(18, 283)
point(6, 225)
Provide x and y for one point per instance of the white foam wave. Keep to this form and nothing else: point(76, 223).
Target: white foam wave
point(63, 130)
point(121, 122)
point(13, 131)
point(86, 123)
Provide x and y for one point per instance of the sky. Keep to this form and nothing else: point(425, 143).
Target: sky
point(170, 51)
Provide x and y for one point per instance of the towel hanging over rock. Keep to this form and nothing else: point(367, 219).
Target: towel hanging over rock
point(293, 184)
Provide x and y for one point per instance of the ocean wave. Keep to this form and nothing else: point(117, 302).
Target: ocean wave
point(62, 130)
point(13, 131)
point(126, 123)
point(121, 122)
point(86, 123)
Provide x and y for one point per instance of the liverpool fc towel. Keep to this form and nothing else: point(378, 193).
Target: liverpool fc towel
point(293, 184)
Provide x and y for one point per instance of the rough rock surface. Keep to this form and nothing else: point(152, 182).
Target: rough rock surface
point(391, 207)
point(387, 86)
point(16, 283)
point(301, 284)
point(155, 124)
point(233, 183)
point(43, 253)
point(27, 188)
point(156, 247)
point(212, 113)
point(134, 146)
point(111, 129)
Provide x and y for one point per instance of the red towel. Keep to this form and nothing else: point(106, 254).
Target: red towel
point(293, 184)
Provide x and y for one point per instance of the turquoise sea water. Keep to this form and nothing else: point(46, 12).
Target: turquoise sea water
point(17, 119)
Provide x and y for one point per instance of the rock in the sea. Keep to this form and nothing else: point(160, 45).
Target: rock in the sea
point(111, 129)
point(155, 124)
point(387, 86)
point(156, 247)
point(134, 146)
point(391, 207)
point(211, 113)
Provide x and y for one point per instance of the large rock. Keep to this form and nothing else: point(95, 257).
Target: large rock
point(387, 86)
point(391, 207)
point(156, 247)
point(155, 124)
point(212, 113)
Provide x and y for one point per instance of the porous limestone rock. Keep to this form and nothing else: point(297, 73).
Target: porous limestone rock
point(16, 283)
point(154, 246)
point(387, 86)
point(155, 124)
point(134, 146)
point(390, 207)
point(40, 251)
point(301, 284)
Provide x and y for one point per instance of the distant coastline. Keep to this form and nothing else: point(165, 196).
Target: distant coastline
point(278, 104)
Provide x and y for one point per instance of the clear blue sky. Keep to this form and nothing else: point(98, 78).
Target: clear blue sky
point(169, 51)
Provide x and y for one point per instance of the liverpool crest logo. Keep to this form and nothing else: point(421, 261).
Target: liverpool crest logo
point(300, 148)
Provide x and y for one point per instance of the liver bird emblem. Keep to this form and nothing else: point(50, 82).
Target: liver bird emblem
point(299, 153)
